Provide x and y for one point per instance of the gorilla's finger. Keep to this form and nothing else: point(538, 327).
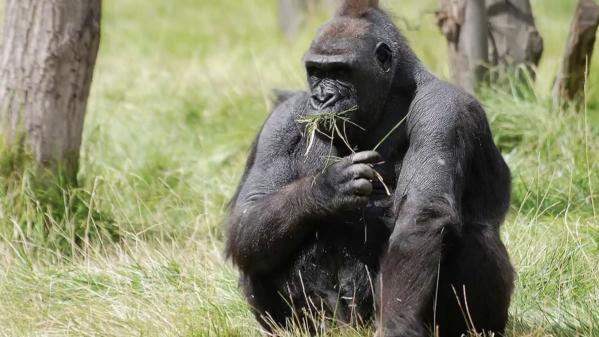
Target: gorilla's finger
point(362, 200)
point(351, 202)
point(361, 187)
point(367, 157)
point(358, 171)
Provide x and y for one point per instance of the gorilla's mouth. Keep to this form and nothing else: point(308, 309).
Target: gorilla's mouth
point(330, 124)
point(322, 101)
point(329, 93)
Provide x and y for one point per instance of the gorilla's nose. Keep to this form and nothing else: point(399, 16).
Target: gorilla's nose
point(324, 99)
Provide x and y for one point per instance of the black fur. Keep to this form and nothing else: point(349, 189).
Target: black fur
point(312, 233)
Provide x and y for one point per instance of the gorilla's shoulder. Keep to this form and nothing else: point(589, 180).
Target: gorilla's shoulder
point(280, 96)
point(288, 107)
point(281, 127)
point(440, 93)
point(440, 104)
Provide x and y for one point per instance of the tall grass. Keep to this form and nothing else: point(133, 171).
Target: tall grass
point(181, 88)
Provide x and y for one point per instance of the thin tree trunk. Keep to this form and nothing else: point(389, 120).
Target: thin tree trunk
point(512, 38)
point(46, 64)
point(569, 85)
point(474, 39)
point(464, 23)
point(293, 13)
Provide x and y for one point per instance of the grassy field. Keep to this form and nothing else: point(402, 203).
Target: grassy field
point(180, 89)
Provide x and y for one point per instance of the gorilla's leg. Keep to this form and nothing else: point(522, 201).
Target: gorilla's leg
point(475, 284)
point(268, 306)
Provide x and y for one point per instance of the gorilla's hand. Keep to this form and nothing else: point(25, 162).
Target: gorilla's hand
point(347, 184)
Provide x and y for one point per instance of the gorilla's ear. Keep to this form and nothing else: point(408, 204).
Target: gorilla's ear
point(356, 8)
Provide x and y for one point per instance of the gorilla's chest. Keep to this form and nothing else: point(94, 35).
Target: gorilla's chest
point(338, 262)
point(336, 268)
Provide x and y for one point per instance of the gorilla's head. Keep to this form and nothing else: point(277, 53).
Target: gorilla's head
point(352, 63)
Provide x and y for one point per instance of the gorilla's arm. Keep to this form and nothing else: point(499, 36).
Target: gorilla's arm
point(267, 216)
point(427, 212)
point(275, 207)
point(267, 224)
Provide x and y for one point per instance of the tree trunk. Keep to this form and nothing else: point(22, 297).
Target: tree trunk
point(46, 65)
point(464, 23)
point(474, 39)
point(292, 13)
point(569, 85)
point(512, 38)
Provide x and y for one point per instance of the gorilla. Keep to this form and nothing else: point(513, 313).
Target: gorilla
point(325, 229)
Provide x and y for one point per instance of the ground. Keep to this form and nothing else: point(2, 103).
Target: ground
point(180, 89)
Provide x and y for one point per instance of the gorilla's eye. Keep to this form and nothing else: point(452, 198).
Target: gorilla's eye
point(312, 71)
point(384, 55)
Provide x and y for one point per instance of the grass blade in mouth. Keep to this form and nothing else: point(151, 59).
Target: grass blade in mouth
point(328, 121)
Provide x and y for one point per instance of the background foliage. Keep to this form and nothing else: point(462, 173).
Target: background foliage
point(180, 89)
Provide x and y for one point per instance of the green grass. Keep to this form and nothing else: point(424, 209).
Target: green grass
point(180, 89)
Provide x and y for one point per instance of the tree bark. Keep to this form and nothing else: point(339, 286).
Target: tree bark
point(474, 39)
point(569, 85)
point(512, 38)
point(464, 23)
point(46, 64)
point(292, 14)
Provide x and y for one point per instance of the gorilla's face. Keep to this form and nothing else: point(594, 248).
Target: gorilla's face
point(349, 70)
